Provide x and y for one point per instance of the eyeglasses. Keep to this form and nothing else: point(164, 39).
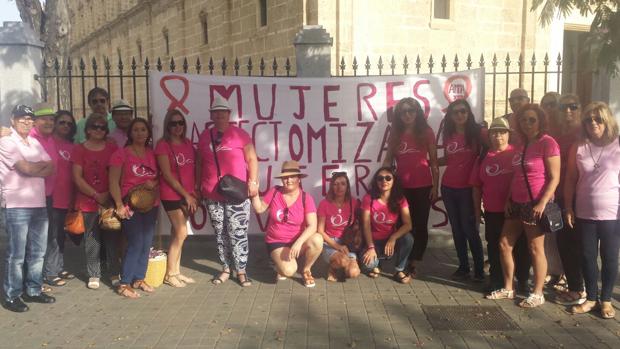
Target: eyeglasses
point(176, 123)
point(597, 119)
point(460, 111)
point(386, 178)
point(571, 106)
point(528, 120)
point(65, 123)
point(99, 127)
point(410, 111)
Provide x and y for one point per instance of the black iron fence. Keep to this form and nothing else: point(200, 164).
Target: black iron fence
point(67, 83)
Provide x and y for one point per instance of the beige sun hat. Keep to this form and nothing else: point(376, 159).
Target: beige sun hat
point(499, 124)
point(219, 103)
point(290, 168)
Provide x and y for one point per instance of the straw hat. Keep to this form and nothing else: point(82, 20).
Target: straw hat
point(121, 105)
point(499, 124)
point(219, 103)
point(290, 168)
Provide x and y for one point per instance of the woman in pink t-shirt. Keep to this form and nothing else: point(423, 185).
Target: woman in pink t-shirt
point(62, 198)
point(336, 213)
point(462, 141)
point(412, 148)
point(224, 150)
point(291, 225)
point(131, 167)
point(176, 160)
point(592, 193)
point(90, 175)
point(382, 209)
point(541, 159)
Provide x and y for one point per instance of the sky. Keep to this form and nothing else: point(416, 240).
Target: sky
point(8, 11)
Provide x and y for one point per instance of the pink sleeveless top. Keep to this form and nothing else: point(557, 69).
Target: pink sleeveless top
point(598, 187)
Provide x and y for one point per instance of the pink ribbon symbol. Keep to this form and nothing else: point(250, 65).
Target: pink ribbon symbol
point(174, 102)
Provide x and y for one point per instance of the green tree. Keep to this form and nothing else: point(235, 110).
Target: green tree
point(603, 42)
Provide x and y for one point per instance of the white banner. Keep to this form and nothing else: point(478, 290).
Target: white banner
point(327, 124)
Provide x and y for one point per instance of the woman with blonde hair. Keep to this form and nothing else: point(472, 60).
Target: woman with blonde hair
point(593, 185)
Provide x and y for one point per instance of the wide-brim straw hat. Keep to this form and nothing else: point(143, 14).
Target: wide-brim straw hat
point(219, 103)
point(500, 124)
point(290, 168)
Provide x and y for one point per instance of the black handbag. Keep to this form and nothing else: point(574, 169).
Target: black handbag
point(234, 190)
point(551, 220)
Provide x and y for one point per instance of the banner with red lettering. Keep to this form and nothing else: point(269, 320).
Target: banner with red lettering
point(326, 124)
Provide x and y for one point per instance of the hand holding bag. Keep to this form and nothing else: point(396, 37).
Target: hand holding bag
point(234, 190)
point(74, 222)
point(141, 198)
point(551, 219)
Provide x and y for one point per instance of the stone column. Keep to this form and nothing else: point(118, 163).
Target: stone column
point(313, 51)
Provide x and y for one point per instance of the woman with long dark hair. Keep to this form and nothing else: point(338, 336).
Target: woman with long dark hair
point(413, 151)
point(176, 160)
point(382, 209)
point(463, 140)
point(132, 167)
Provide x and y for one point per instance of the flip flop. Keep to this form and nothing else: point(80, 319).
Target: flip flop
point(56, 282)
point(66, 275)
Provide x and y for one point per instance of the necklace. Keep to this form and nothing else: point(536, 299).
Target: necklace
point(596, 162)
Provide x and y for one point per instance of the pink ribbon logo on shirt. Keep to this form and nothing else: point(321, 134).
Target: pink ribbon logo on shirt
point(337, 220)
point(280, 215)
point(182, 161)
point(380, 218)
point(404, 149)
point(495, 170)
point(142, 171)
point(516, 160)
point(64, 154)
point(453, 147)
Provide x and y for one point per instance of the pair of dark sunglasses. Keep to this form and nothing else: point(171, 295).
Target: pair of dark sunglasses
point(529, 120)
point(176, 123)
point(597, 119)
point(571, 106)
point(99, 127)
point(386, 178)
point(410, 111)
point(65, 123)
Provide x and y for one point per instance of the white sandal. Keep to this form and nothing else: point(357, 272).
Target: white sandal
point(533, 301)
point(502, 293)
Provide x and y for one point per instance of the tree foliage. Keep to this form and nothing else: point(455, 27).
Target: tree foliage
point(603, 41)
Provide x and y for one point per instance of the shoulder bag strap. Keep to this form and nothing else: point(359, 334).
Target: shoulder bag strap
point(527, 183)
point(350, 212)
point(217, 164)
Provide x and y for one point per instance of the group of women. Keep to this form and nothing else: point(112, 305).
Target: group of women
point(512, 175)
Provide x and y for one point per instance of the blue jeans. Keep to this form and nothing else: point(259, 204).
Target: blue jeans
point(27, 232)
point(139, 230)
point(460, 207)
point(54, 257)
point(402, 249)
point(603, 235)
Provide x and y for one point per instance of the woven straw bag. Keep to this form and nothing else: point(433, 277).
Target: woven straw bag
point(108, 219)
point(141, 199)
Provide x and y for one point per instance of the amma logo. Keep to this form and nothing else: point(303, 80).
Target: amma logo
point(457, 87)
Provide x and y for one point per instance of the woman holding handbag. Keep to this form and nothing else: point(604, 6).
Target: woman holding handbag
point(133, 180)
point(90, 175)
point(226, 154)
point(336, 216)
point(176, 160)
point(413, 149)
point(536, 176)
point(592, 193)
point(382, 208)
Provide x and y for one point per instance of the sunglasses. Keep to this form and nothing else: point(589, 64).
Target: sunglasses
point(65, 123)
point(410, 111)
point(386, 178)
point(529, 120)
point(285, 215)
point(460, 111)
point(99, 127)
point(338, 173)
point(550, 105)
point(176, 123)
point(571, 106)
point(597, 119)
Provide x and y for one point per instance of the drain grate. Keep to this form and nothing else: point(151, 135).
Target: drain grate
point(467, 318)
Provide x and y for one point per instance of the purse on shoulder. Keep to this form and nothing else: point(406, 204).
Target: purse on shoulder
point(233, 189)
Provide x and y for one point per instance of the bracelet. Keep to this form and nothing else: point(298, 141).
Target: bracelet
point(370, 247)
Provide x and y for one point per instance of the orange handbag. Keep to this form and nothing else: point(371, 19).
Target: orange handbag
point(74, 222)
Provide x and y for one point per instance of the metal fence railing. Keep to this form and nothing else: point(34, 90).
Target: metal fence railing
point(67, 83)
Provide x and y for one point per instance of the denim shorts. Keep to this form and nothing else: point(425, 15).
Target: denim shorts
point(329, 251)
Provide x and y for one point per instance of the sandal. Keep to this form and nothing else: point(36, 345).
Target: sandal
point(607, 310)
point(56, 282)
point(413, 272)
point(280, 277)
point(244, 280)
point(308, 279)
point(374, 273)
point(583, 308)
point(142, 285)
point(174, 280)
point(570, 298)
point(127, 292)
point(502, 293)
point(93, 283)
point(402, 277)
point(186, 279)
point(533, 301)
point(66, 275)
point(46, 289)
point(220, 279)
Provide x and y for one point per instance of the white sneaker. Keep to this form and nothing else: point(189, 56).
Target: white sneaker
point(93, 283)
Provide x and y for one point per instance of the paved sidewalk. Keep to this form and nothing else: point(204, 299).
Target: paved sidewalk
point(361, 313)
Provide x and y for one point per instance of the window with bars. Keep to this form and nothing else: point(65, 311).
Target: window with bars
point(441, 9)
point(205, 27)
point(262, 7)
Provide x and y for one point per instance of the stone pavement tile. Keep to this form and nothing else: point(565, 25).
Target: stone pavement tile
point(499, 340)
point(474, 339)
point(563, 337)
point(148, 338)
point(522, 340)
point(403, 329)
point(450, 339)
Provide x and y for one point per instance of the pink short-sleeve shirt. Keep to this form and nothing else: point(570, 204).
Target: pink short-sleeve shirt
point(535, 157)
point(336, 218)
point(286, 223)
point(494, 175)
point(460, 159)
point(63, 187)
point(136, 170)
point(49, 145)
point(94, 171)
point(181, 158)
point(382, 220)
point(230, 155)
point(412, 162)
